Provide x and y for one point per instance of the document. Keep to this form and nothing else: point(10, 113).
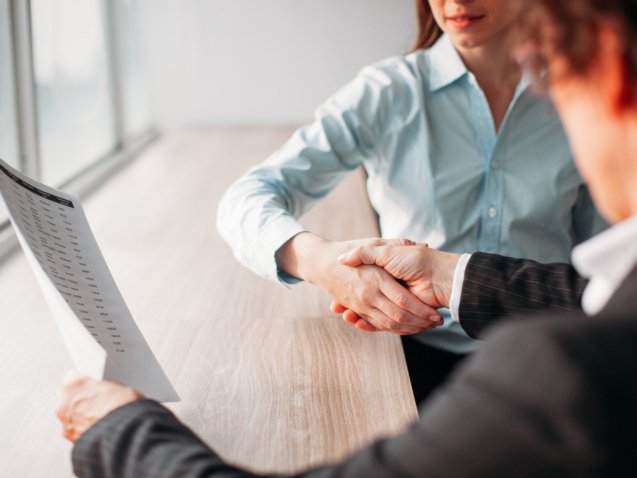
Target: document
point(95, 323)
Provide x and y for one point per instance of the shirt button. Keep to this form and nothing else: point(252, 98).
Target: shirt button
point(493, 212)
point(495, 164)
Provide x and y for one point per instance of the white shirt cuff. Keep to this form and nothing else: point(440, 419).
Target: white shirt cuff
point(258, 253)
point(456, 288)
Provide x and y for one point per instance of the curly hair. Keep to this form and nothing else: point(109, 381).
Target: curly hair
point(569, 29)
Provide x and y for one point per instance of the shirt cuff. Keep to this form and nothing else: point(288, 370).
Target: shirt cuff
point(456, 288)
point(271, 239)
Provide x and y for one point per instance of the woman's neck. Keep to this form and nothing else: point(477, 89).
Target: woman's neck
point(496, 72)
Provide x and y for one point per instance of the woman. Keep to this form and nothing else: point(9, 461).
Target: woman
point(548, 398)
point(459, 154)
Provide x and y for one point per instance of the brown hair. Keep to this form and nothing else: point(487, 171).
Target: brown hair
point(428, 29)
point(569, 29)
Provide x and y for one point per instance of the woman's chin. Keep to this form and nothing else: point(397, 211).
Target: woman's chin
point(465, 40)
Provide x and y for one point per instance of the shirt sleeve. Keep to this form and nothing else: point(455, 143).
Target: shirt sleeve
point(260, 211)
point(456, 288)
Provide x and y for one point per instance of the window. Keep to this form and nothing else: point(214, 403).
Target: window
point(134, 91)
point(73, 85)
point(73, 103)
point(8, 118)
point(8, 130)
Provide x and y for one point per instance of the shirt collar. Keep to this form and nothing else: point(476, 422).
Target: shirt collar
point(606, 259)
point(447, 67)
point(446, 64)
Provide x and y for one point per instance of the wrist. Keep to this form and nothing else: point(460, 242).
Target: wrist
point(301, 256)
point(444, 268)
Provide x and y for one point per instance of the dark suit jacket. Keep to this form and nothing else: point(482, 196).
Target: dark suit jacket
point(497, 288)
point(547, 398)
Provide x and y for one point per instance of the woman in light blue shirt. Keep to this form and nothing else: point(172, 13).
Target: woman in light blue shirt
point(459, 154)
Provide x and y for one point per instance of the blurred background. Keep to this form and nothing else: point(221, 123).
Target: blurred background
point(86, 84)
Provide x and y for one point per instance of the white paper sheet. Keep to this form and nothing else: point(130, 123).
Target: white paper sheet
point(97, 327)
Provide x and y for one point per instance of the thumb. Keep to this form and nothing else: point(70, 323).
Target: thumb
point(360, 256)
point(389, 242)
point(400, 242)
point(72, 376)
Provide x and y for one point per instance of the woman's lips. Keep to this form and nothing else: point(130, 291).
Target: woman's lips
point(464, 21)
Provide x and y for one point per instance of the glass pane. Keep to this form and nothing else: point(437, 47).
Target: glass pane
point(134, 85)
point(8, 119)
point(75, 116)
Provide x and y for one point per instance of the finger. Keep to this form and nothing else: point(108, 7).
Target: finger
point(373, 317)
point(395, 242)
point(63, 414)
point(350, 316)
point(362, 255)
point(349, 320)
point(405, 242)
point(70, 381)
point(382, 313)
point(337, 308)
point(66, 433)
point(71, 377)
point(408, 302)
point(381, 318)
point(354, 319)
point(365, 326)
point(62, 410)
point(402, 319)
point(71, 434)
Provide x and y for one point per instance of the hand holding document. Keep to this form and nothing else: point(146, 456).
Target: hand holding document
point(97, 327)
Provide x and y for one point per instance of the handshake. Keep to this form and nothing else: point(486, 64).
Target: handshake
point(390, 285)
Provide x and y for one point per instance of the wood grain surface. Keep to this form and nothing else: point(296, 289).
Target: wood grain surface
point(268, 376)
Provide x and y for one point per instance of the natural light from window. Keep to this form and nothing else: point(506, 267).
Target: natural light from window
point(75, 112)
point(8, 129)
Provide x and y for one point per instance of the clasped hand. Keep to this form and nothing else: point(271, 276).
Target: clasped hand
point(426, 273)
point(377, 298)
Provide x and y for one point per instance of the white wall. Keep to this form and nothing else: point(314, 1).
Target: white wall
point(262, 61)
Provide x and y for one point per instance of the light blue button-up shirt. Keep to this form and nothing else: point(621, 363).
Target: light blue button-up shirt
point(439, 172)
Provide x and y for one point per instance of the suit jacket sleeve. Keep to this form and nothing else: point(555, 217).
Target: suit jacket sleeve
point(488, 422)
point(496, 287)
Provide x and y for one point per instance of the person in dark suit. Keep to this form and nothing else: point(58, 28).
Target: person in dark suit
point(554, 396)
point(480, 292)
point(479, 289)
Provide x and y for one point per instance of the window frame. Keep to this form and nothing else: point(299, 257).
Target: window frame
point(125, 147)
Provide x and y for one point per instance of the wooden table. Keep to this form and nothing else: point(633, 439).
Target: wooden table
point(268, 376)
